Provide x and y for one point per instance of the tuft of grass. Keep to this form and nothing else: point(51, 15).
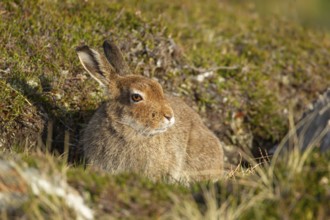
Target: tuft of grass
point(290, 187)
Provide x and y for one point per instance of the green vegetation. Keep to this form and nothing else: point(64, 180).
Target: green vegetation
point(290, 187)
point(261, 64)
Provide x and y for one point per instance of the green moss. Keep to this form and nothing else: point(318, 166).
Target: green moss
point(286, 187)
point(133, 193)
point(39, 38)
point(12, 103)
point(265, 47)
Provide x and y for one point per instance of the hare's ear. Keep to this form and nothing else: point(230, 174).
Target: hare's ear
point(96, 65)
point(115, 57)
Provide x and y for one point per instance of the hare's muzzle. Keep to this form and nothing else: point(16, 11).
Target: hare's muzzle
point(169, 120)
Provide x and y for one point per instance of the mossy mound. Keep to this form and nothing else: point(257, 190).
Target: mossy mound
point(242, 69)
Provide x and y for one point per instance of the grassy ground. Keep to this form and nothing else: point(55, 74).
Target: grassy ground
point(294, 186)
point(243, 67)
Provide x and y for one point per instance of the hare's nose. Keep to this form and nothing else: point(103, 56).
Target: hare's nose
point(170, 119)
point(168, 116)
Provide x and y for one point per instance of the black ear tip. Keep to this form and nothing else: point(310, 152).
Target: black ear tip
point(82, 48)
point(108, 44)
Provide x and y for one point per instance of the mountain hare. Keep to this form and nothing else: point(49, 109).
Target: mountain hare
point(140, 129)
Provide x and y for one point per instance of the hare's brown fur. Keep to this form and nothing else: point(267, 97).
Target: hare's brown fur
point(158, 136)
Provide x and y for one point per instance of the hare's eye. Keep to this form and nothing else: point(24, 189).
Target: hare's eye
point(136, 97)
